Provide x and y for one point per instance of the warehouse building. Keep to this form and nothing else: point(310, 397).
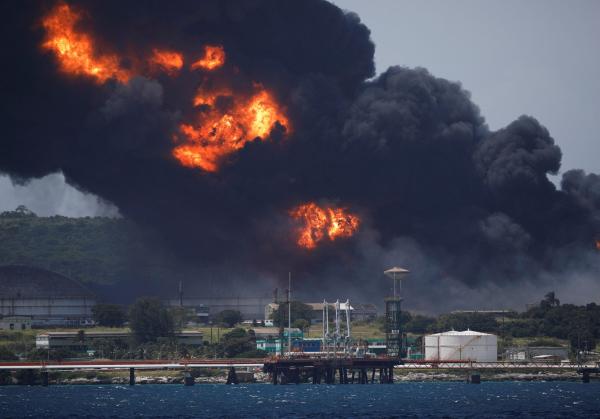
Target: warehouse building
point(43, 297)
point(205, 308)
point(15, 323)
point(537, 353)
point(78, 340)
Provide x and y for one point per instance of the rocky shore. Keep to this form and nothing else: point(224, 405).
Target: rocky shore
point(176, 377)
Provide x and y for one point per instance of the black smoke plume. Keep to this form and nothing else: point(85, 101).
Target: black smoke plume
point(468, 209)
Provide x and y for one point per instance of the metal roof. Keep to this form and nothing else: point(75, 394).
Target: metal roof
point(463, 333)
point(396, 272)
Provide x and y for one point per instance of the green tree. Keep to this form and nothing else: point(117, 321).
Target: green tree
point(149, 320)
point(301, 324)
point(299, 311)
point(419, 324)
point(109, 315)
point(480, 322)
point(238, 342)
point(7, 355)
point(229, 317)
point(550, 300)
point(181, 315)
point(20, 212)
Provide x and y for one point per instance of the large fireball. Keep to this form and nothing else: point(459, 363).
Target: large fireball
point(319, 224)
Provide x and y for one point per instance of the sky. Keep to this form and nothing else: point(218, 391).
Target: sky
point(535, 57)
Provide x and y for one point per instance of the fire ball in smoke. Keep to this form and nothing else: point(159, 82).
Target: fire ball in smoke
point(323, 223)
point(75, 50)
point(214, 57)
point(220, 132)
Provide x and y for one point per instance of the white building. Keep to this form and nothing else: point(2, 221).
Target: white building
point(50, 340)
point(461, 346)
point(537, 353)
point(15, 322)
point(47, 298)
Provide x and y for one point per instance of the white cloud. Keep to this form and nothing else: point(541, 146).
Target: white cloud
point(51, 195)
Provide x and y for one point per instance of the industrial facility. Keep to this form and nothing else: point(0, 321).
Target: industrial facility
point(461, 346)
point(34, 297)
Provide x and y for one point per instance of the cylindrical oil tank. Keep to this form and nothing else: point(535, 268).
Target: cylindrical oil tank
point(461, 346)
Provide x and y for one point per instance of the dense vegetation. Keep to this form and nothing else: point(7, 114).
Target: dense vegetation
point(580, 325)
point(228, 318)
point(90, 249)
point(150, 320)
point(109, 315)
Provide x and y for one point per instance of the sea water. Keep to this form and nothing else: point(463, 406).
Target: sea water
point(427, 399)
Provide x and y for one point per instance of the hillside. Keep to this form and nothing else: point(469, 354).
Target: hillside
point(93, 250)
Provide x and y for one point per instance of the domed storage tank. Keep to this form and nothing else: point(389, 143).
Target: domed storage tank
point(461, 346)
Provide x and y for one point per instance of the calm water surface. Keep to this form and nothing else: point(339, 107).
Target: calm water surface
point(489, 399)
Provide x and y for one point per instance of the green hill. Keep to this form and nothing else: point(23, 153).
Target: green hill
point(93, 250)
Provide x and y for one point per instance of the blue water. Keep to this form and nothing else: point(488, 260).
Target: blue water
point(489, 399)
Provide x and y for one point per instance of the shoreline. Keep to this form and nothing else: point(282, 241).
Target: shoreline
point(262, 378)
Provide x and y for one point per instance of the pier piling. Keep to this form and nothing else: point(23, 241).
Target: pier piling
point(233, 379)
point(44, 375)
point(188, 378)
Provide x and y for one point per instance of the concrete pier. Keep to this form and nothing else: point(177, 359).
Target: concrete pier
point(188, 378)
point(331, 370)
point(232, 377)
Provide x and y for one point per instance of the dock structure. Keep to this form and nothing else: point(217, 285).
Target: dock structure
point(339, 369)
point(331, 370)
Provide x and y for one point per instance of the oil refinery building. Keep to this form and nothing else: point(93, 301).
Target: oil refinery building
point(34, 297)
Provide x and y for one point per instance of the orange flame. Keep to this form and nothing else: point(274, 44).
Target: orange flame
point(75, 50)
point(217, 130)
point(214, 57)
point(168, 61)
point(598, 244)
point(220, 133)
point(203, 98)
point(323, 223)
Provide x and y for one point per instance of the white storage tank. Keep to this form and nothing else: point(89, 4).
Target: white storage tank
point(461, 346)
